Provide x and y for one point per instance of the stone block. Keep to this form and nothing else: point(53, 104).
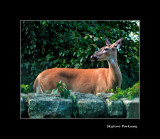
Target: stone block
point(49, 107)
point(115, 108)
point(90, 108)
point(131, 107)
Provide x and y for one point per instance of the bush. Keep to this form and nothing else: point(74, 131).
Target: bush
point(129, 93)
point(25, 88)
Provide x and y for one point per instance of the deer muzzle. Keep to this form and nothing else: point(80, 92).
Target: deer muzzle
point(93, 58)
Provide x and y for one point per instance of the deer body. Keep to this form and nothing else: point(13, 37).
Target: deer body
point(84, 80)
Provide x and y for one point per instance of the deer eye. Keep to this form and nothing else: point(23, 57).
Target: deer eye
point(106, 49)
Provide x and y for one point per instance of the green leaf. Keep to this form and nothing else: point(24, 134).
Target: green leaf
point(59, 84)
point(74, 53)
point(78, 54)
point(54, 91)
point(55, 61)
point(64, 85)
point(76, 65)
point(44, 42)
point(81, 59)
point(95, 38)
point(121, 51)
point(86, 37)
point(127, 60)
point(29, 52)
point(61, 41)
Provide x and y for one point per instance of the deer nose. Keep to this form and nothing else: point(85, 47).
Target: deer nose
point(93, 57)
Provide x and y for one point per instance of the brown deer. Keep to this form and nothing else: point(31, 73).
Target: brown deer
point(85, 80)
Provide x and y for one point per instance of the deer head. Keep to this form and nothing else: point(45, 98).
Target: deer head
point(107, 52)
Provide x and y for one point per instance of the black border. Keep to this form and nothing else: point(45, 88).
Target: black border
point(87, 124)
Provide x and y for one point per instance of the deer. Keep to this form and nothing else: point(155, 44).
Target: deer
point(92, 81)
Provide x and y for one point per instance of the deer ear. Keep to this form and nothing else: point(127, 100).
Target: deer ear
point(107, 41)
point(118, 43)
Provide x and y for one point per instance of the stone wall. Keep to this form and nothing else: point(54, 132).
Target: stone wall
point(37, 105)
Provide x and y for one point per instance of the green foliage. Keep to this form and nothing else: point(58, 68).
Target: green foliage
point(114, 97)
point(69, 44)
point(133, 91)
point(75, 105)
point(62, 88)
point(25, 88)
point(129, 93)
point(109, 91)
point(53, 92)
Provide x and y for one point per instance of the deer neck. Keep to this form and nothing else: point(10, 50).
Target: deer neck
point(115, 76)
